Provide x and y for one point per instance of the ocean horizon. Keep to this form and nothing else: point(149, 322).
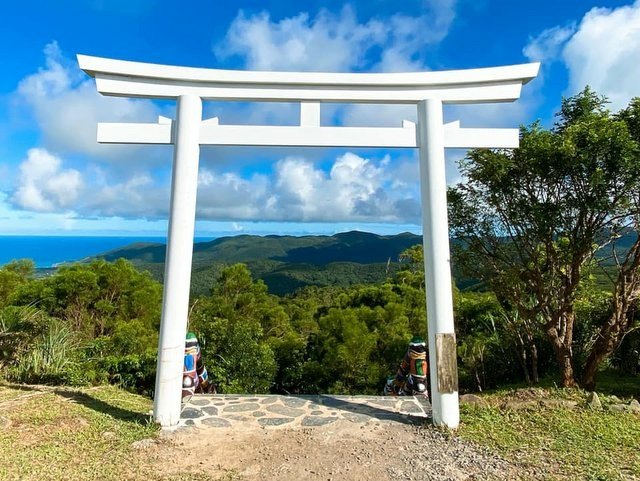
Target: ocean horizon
point(50, 251)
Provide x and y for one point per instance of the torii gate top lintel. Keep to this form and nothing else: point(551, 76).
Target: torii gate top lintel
point(137, 79)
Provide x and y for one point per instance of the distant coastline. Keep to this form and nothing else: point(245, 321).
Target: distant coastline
point(51, 251)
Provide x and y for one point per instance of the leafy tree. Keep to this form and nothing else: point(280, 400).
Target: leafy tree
point(95, 298)
point(13, 275)
point(235, 325)
point(348, 346)
point(626, 279)
point(531, 220)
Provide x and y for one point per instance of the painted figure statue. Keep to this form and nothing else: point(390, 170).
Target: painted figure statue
point(411, 377)
point(195, 378)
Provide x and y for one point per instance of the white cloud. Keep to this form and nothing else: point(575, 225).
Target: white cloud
point(138, 196)
point(326, 43)
point(548, 45)
point(336, 42)
point(603, 51)
point(44, 186)
point(354, 189)
point(67, 107)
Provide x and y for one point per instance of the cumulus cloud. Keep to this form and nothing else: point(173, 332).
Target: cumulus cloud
point(601, 51)
point(139, 196)
point(44, 186)
point(336, 42)
point(354, 188)
point(66, 108)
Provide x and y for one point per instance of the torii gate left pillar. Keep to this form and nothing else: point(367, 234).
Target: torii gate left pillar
point(427, 90)
point(177, 269)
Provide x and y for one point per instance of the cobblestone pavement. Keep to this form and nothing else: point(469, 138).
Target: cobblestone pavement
point(221, 411)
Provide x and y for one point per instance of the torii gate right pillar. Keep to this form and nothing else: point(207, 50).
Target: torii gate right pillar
point(437, 265)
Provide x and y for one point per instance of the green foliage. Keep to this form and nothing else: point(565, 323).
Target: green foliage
point(284, 263)
point(236, 326)
point(574, 444)
point(52, 358)
point(13, 275)
point(530, 221)
point(94, 322)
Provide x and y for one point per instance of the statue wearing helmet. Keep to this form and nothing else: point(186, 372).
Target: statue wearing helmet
point(411, 377)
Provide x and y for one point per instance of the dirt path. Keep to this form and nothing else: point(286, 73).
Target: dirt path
point(340, 451)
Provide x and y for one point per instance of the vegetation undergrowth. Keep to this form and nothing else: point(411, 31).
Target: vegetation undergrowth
point(561, 442)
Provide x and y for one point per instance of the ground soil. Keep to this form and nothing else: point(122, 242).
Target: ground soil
point(340, 451)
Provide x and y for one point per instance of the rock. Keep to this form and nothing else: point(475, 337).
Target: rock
point(190, 413)
point(108, 435)
point(618, 408)
point(634, 406)
point(143, 443)
point(558, 404)
point(615, 399)
point(243, 407)
point(356, 417)
point(593, 401)
point(473, 400)
point(216, 422)
point(293, 402)
point(317, 421)
point(410, 407)
point(274, 421)
point(285, 411)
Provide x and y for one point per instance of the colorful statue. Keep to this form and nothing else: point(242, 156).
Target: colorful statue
point(195, 378)
point(411, 377)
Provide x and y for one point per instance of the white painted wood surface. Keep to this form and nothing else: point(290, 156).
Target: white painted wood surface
point(137, 79)
point(437, 259)
point(306, 135)
point(427, 90)
point(177, 269)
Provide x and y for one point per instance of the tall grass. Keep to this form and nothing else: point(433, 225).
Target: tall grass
point(50, 359)
point(20, 327)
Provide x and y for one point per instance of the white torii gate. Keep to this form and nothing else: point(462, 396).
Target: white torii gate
point(189, 86)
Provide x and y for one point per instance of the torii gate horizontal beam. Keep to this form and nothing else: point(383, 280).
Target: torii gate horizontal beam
point(137, 79)
point(306, 136)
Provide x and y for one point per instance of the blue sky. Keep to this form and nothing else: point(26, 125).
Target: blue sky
point(55, 178)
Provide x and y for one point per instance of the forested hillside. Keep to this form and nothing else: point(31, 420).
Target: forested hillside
point(284, 263)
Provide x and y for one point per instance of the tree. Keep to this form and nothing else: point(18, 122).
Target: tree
point(239, 326)
point(626, 280)
point(13, 275)
point(530, 221)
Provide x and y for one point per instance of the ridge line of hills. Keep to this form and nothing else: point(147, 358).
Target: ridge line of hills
point(284, 263)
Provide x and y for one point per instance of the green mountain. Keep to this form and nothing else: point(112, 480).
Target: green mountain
point(285, 263)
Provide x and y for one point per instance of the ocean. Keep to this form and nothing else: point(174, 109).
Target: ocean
point(48, 251)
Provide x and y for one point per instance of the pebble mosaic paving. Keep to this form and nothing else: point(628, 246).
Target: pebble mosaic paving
point(222, 411)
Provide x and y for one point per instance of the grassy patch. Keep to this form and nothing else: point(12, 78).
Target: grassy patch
point(71, 434)
point(567, 443)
